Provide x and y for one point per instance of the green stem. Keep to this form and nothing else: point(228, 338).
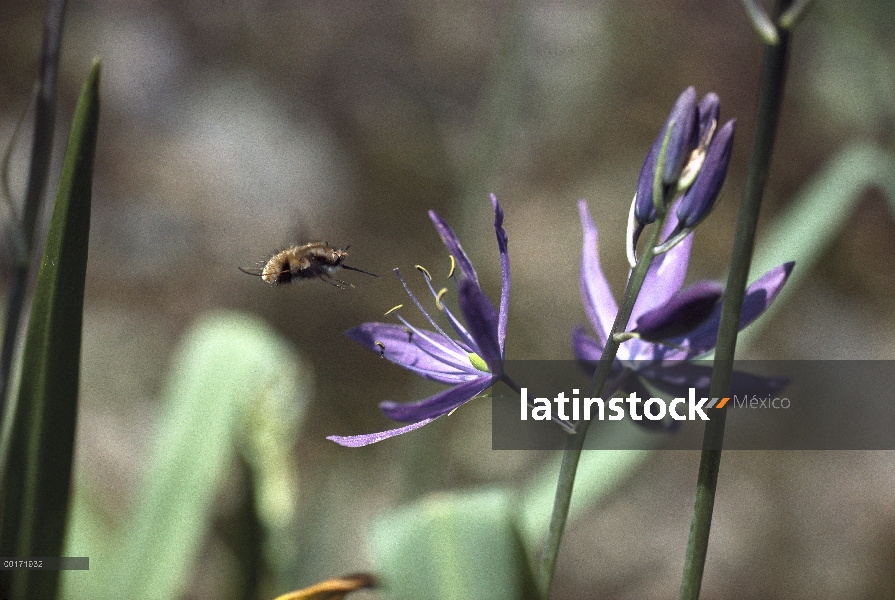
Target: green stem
point(574, 443)
point(771, 95)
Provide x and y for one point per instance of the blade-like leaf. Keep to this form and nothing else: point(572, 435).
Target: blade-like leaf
point(817, 215)
point(453, 547)
point(236, 387)
point(600, 473)
point(38, 439)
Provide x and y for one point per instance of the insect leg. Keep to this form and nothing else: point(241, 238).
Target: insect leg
point(342, 285)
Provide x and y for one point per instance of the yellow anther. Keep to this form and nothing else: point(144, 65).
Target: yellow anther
point(441, 293)
point(391, 310)
point(423, 269)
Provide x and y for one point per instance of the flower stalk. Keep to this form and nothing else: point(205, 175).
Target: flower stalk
point(575, 443)
point(771, 95)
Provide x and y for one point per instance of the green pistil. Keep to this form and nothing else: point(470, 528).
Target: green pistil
point(478, 362)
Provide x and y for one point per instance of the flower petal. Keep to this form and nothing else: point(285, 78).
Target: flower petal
point(759, 296)
point(665, 276)
point(453, 245)
point(585, 347)
point(682, 140)
point(482, 321)
point(599, 304)
point(504, 307)
point(356, 441)
point(435, 360)
point(434, 406)
point(644, 209)
point(709, 110)
point(683, 312)
point(699, 200)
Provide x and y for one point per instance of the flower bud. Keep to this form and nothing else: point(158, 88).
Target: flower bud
point(681, 132)
point(682, 138)
point(644, 209)
point(699, 200)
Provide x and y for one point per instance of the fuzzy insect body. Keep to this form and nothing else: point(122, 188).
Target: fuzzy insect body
point(316, 260)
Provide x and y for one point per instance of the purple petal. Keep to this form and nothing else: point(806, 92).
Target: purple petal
point(585, 347)
point(438, 361)
point(434, 406)
point(599, 305)
point(481, 320)
point(681, 314)
point(700, 198)
point(453, 245)
point(759, 297)
point(504, 273)
point(709, 110)
point(682, 141)
point(665, 276)
point(356, 441)
point(644, 209)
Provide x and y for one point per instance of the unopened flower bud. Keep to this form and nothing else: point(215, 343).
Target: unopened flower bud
point(669, 153)
point(699, 200)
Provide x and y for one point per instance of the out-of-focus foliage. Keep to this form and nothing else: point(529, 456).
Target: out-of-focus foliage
point(453, 546)
point(236, 389)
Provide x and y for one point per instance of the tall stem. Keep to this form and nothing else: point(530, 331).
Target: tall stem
point(771, 94)
point(574, 443)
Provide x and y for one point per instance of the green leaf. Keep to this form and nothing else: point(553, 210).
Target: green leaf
point(38, 438)
point(600, 472)
point(453, 547)
point(816, 216)
point(234, 390)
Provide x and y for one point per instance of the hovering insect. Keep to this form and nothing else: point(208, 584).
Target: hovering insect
point(317, 260)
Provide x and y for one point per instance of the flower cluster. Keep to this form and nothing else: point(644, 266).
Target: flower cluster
point(678, 186)
point(689, 159)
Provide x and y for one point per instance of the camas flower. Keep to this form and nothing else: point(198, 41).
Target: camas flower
point(470, 364)
point(672, 325)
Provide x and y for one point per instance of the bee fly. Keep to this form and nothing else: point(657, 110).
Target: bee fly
point(309, 261)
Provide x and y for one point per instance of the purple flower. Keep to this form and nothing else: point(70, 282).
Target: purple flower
point(697, 311)
point(470, 364)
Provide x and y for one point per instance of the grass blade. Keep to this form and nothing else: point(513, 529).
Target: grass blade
point(38, 438)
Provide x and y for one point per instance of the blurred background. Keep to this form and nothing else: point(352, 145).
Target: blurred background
point(230, 130)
